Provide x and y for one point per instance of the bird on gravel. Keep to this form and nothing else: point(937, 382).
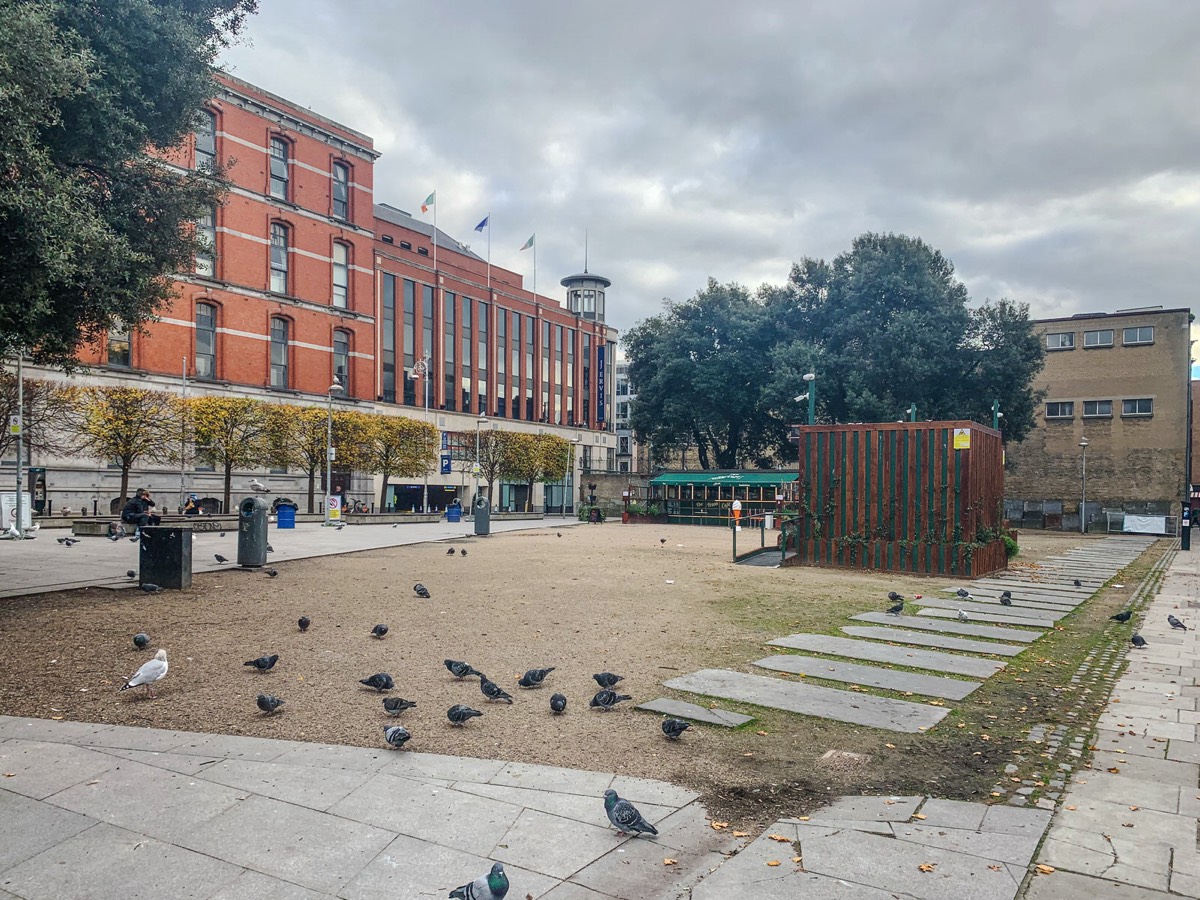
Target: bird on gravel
point(673, 728)
point(268, 703)
point(624, 815)
point(559, 533)
point(1006, 598)
point(459, 669)
point(263, 663)
point(607, 679)
point(893, 596)
point(421, 591)
point(459, 713)
point(379, 631)
point(219, 558)
point(450, 551)
point(463, 551)
point(151, 672)
point(558, 703)
point(397, 705)
point(534, 677)
point(1138, 641)
point(1175, 623)
point(607, 699)
point(303, 622)
point(897, 609)
point(151, 588)
point(493, 691)
point(962, 616)
point(380, 681)
point(662, 542)
point(395, 735)
point(1122, 617)
point(1078, 583)
point(492, 886)
point(271, 573)
point(130, 573)
point(141, 640)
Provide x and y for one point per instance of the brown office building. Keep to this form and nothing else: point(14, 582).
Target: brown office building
point(1116, 401)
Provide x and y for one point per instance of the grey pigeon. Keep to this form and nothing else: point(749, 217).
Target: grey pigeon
point(463, 551)
point(395, 735)
point(395, 524)
point(219, 558)
point(339, 528)
point(421, 591)
point(673, 728)
point(1175, 623)
point(222, 534)
point(134, 539)
point(379, 630)
point(534, 677)
point(558, 703)
point(272, 573)
point(963, 592)
point(1078, 583)
point(141, 640)
point(459, 669)
point(897, 609)
point(492, 886)
point(962, 616)
point(1006, 598)
point(493, 691)
point(304, 622)
point(450, 551)
point(607, 699)
point(380, 681)
point(130, 573)
point(153, 671)
point(270, 549)
point(268, 703)
point(397, 705)
point(1122, 617)
point(151, 588)
point(607, 679)
point(893, 596)
point(559, 533)
point(115, 537)
point(624, 815)
point(263, 663)
point(1137, 640)
point(61, 540)
point(459, 713)
point(662, 542)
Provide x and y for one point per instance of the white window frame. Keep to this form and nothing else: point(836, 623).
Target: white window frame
point(284, 367)
point(210, 358)
point(1137, 412)
point(1060, 403)
point(341, 275)
point(1137, 329)
point(1060, 344)
point(206, 229)
point(1096, 344)
point(206, 141)
point(1094, 414)
point(337, 186)
point(278, 251)
point(278, 162)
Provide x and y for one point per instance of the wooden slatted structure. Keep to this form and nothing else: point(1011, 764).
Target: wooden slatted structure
point(922, 497)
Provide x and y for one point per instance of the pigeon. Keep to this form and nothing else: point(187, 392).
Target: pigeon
point(463, 551)
point(450, 551)
point(222, 534)
point(339, 528)
point(963, 592)
point(493, 691)
point(219, 558)
point(379, 631)
point(115, 537)
point(607, 679)
point(151, 588)
point(662, 542)
point(962, 616)
point(395, 524)
point(263, 663)
point(559, 533)
point(151, 672)
point(1078, 583)
point(1122, 617)
point(268, 703)
point(606, 699)
point(397, 705)
point(534, 677)
point(270, 549)
point(130, 574)
point(459, 713)
point(893, 596)
point(271, 573)
point(141, 640)
point(135, 539)
point(459, 669)
point(304, 622)
point(61, 540)
point(492, 886)
point(421, 591)
point(624, 815)
point(68, 542)
point(395, 735)
point(1175, 623)
point(1006, 598)
point(897, 609)
point(558, 703)
point(673, 728)
point(1137, 640)
point(380, 681)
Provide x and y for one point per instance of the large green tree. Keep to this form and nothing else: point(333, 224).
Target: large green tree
point(92, 223)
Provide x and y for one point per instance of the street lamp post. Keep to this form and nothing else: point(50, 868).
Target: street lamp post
point(575, 442)
point(811, 378)
point(421, 370)
point(912, 412)
point(20, 427)
point(996, 414)
point(329, 451)
point(1083, 444)
point(482, 420)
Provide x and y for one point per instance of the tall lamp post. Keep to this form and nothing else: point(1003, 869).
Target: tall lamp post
point(1083, 444)
point(996, 414)
point(421, 370)
point(811, 378)
point(482, 420)
point(17, 427)
point(575, 442)
point(329, 451)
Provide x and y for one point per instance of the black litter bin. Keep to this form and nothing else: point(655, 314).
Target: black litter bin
point(252, 532)
point(483, 515)
point(165, 556)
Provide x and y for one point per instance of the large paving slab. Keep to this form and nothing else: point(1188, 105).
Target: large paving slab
point(872, 676)
point(696, 713)
point(898, 656)
point(811, 700)
point(1046, 616)
point(996, 618)
point(983, 631)
point(924, 639)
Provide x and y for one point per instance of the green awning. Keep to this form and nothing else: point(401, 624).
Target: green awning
point(719, 478)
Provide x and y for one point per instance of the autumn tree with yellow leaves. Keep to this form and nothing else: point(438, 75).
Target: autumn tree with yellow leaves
point(535, 457)
point(231, 433)
point(398, 447)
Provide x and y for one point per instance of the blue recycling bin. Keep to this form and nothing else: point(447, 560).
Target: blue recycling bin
point(454, 513)
point(285, 516)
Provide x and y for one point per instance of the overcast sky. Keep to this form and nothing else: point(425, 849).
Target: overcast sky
point(1051, 150)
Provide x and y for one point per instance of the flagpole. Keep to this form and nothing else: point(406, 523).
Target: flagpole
point(435, 278)
point(489, 269)
point(535, 268)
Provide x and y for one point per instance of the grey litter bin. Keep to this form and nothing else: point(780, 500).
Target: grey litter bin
point(483, 516)
point(252, 532)
point(165, 557)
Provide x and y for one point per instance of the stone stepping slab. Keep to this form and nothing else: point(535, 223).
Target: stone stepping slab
point(899, 656)
point(996, 618)
point(933, 640)
point(684, 710)
point(986, 631)
point(1044, 617)
point(812, 700)
point(1028, 591)
point(872, 676)
point(1060, 608)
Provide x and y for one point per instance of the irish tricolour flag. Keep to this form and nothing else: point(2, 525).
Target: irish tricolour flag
point(429, 201)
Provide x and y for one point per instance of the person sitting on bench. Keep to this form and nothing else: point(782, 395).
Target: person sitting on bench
point(137, 511)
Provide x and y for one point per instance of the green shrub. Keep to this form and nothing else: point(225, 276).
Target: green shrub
point(1011, 548)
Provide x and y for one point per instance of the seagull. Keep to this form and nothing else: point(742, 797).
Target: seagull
point(141, 640)
point(380, 681)
point(492, 886)
point(268, 703)
point(397, 705)
point(151, 588)
point(421, 591)
point(606, 699)
point(219, 558)
point(459, 713)
point(534, 677)
point(893, 596)
point(450, 552)
point(459, 669)
point(304, 622)
point(263, 663)
point(379, 631)
point(1122, 617)
point(673, 728)
point(558, 703)
point(624, 815)
point(395, 735)
point(962, 616)
point(1138, 641)
point(607, 679)
point(258, 487)
point(493, 691)
point(1006, 598)
point(271, 573)
point(897, 609)
point(1175, 623)
point(150, 672)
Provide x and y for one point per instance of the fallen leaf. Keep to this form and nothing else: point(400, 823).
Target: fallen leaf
point(919, 816)
point(741, 834)
point(1133, 809)
point(1126, 824)
point(772, 862)
point(1113, 770)
point(717, 826)
point(995, 868)
point(761, 733)
point(670, 862)
point(1044, 870)
point(10, 774)
point(57, 718)
point(1072, 808)
point(927, 867)
point(783, 839)
point(806, 818)
point(797, 859)
point(890, 746)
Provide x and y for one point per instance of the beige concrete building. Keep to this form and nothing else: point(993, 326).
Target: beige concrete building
point(1119, 384)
